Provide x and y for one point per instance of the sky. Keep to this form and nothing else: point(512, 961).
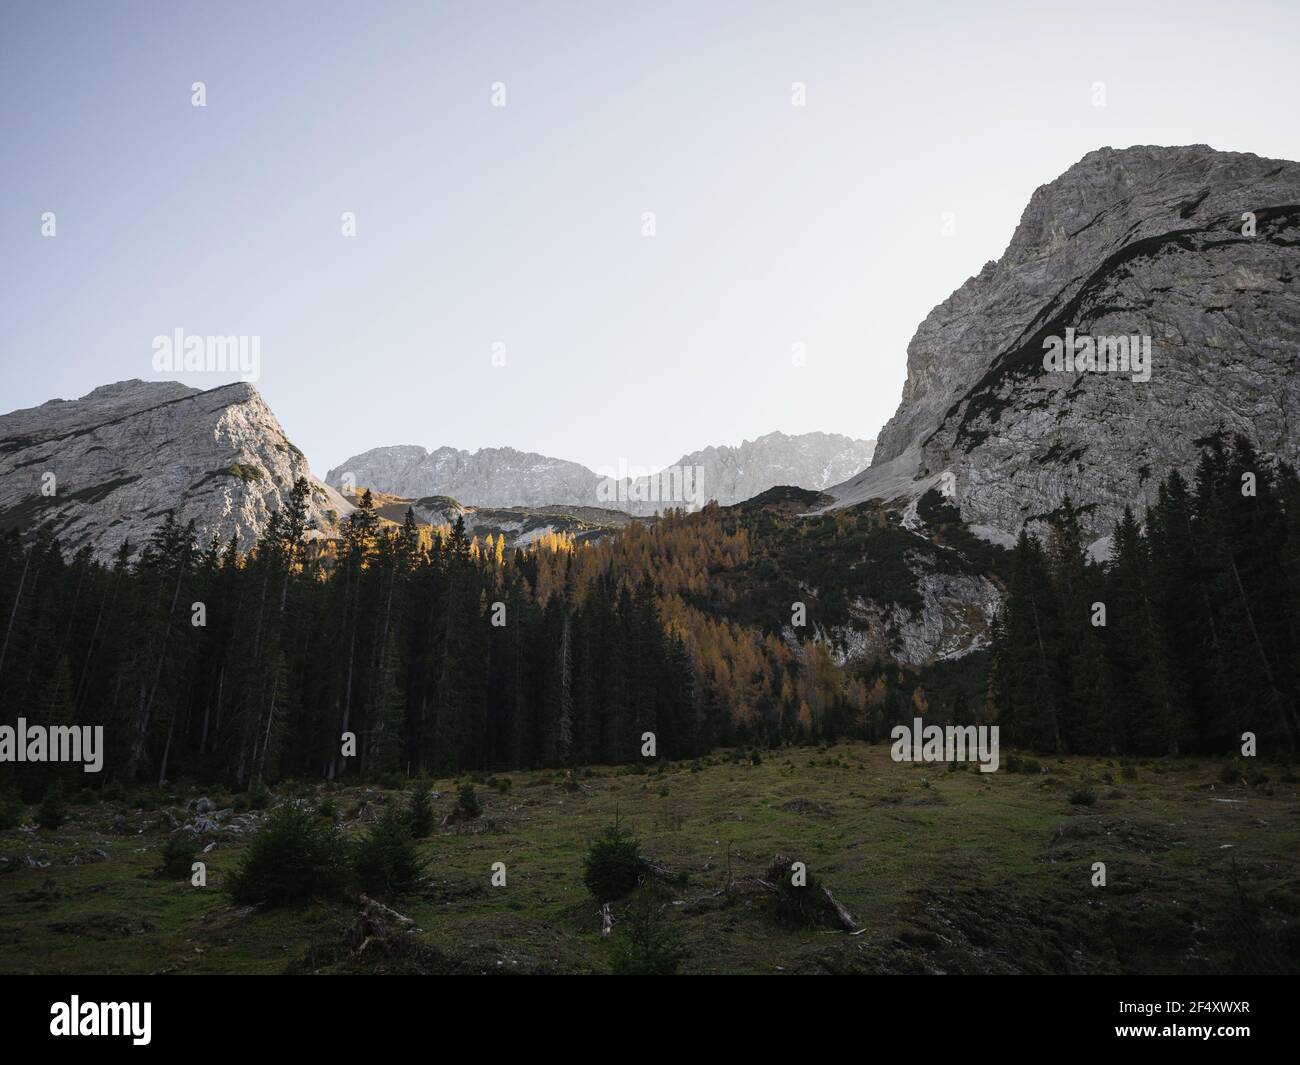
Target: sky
point(689, 224)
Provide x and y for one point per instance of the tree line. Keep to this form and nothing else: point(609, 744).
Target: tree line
point(1185, 639)
point(438, 655)
point(433, 654)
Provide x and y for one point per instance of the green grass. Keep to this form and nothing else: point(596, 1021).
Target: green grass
point(944, 872)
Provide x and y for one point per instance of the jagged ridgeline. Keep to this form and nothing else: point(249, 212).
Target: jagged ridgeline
point(502, 477)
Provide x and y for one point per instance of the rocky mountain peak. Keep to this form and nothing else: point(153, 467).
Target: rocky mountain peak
point(103, 469)
point(1191, 250)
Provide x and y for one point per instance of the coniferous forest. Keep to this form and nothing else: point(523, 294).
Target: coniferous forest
point(434, 654)
point(439, 654)
point(1180, 643)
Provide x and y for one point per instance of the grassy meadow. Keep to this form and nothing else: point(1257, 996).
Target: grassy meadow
point(943, 872)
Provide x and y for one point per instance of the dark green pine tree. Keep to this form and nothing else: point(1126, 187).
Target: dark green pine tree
point(1025, 688)
point(1076, 658)
point(1148, 702)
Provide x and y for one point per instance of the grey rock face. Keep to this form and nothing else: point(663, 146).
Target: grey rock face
point(116, 460)
point(1145, 241)
point(502, 477)
point(807, 460)
point(490, 477)
point(955, 618)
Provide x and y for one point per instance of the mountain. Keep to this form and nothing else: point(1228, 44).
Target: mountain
point(805, 460)
point(103, 469)
point(490, 477)
point(1197, 250)
point(502, 477)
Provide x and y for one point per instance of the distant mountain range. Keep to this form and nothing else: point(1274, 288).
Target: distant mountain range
point(102, 470)
point(504, 477)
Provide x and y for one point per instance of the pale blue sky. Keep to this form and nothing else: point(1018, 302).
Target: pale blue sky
point(776, 225)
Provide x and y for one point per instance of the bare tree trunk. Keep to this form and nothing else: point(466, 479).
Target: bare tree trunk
point(1263, 658)
point(18, 598)
point(1042, 657)
point(167, 750)
point(566, 693)
point(142, 722)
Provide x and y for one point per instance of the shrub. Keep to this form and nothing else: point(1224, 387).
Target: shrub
point(648, 945)
point(803, 906)
point(52, 813)
point(145, 799)
point(613, 865)
point(11, 811)
point(1083, 796)
point(420, 812)
point(177, 856)
point(295, 856)
point(328, 808)
point(246, 473)
point(467, 802)
point(32, 787)
point(386, 861)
